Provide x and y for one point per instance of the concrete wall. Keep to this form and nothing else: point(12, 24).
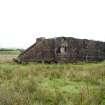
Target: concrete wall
point(64, 49)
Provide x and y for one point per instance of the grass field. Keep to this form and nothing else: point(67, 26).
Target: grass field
point(8, 55)
point(52, 84)
point(10, 52)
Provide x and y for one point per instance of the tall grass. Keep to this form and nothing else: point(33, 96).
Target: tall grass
point(52, 84)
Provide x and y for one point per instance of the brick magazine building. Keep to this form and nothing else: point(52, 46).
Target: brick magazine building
point(63, 50)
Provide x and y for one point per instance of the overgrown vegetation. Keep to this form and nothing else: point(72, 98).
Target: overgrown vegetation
point(52, 84)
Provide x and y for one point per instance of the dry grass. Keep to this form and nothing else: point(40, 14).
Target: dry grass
point(7, 58)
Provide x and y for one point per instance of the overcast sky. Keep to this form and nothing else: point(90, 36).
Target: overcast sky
point(22, 21)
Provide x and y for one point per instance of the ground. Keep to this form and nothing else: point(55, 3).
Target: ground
point(8, 55)
point(52, 84)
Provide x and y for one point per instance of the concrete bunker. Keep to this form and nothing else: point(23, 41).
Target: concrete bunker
point(63, 49)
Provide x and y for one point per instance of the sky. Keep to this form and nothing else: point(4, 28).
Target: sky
point(22, 21)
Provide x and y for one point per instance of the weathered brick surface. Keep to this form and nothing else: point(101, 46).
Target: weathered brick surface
point(64, 49)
